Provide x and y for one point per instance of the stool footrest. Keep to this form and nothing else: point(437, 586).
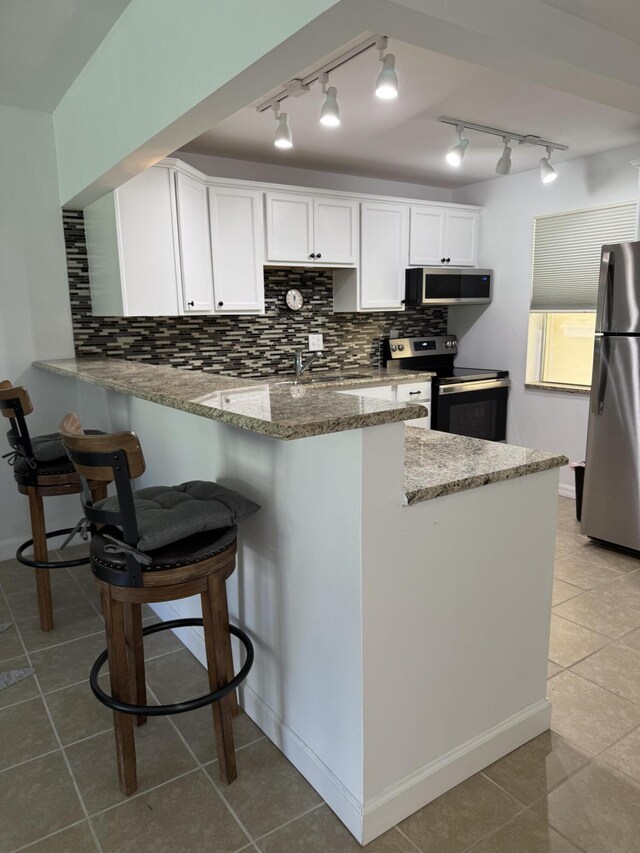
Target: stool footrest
point(50, 564)
point(176, 707)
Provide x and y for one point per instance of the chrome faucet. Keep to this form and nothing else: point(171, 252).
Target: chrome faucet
point(300, 366)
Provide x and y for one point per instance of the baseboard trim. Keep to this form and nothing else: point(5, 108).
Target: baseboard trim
point(567, 491)
point(437, 777)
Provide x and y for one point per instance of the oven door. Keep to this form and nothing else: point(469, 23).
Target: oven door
point(475, 409)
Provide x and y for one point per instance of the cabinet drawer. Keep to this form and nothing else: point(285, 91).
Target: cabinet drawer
point(413, 392)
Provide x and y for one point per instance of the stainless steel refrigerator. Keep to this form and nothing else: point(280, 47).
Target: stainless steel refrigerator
point(611, 501)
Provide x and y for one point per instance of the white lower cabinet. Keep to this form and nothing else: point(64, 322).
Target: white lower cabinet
point(384, 238)
point(237, 244)
point(408, 392)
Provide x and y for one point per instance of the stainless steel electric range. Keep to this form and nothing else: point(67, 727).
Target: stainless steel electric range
point(465, 400)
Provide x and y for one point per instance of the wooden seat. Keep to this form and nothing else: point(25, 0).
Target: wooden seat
point(39, 478)
point(128, 578)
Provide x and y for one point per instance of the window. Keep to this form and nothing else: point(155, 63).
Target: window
point(566, 263)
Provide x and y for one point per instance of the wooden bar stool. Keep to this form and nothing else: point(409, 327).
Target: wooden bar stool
point(154, 545)
point(41, 468)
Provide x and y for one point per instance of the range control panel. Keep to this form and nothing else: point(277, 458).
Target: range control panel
point(412, 347)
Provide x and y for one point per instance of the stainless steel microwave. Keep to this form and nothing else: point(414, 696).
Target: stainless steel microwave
point(437, 286)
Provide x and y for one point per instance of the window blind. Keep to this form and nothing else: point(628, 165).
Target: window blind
point(566, 254)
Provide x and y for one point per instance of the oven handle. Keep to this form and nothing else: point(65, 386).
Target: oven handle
point(462, 387)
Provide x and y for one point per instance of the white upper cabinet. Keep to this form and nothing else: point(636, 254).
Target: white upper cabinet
point(311, 229)
point(195, 245)
point(134, 269)
point(237, 243)
point(461, 237)
point(426, 236)
point(289, 227)
point(384, 238)
point(335, 230)
point(443, 236)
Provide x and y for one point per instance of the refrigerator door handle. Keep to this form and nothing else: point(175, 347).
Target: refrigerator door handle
point(599, 377)
point(604, 283)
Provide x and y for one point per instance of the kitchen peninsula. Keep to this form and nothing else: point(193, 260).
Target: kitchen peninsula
point(396, 583)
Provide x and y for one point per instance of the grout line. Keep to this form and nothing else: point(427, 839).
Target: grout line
point(289, 822)
point(406, 838)
point(55, 732)
point(33, 757)
point(46, 837)
point(137, 794)
point(202, 770)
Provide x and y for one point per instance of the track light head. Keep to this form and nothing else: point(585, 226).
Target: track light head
point(283, 137)
point(330, 113)
point(456, 155)
point(503, 166)
point(387, 82)
point(547, 173)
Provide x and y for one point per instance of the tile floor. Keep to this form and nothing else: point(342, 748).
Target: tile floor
point(576, 788)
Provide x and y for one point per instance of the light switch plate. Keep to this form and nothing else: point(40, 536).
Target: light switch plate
point(315, 343)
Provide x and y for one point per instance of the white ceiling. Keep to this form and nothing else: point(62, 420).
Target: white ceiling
point(44, 44)
point(618, 16)
point(401, 140)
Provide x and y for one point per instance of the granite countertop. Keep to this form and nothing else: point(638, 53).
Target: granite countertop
point(439, 463)
point(365, 377)
point(278, 408)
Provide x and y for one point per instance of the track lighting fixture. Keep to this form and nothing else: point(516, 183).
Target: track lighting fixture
point(547, 173)
point(387, 82)
point(330, 113)
point(503, 166)
point(283, 138)
point(456, 154)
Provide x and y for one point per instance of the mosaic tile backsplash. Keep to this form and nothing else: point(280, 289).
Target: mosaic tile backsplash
point(258, 345)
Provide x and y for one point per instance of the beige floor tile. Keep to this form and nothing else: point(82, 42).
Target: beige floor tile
point(563, 591)
point(160, 753)
point(569, 643)
point(608, 557)
point(36, 799)
point(537, 767)
point(74, 622)
point(568, 541)
point(67, 664)
point(76, 839)
point(526, 833)
point(14, 577)
point(553, 669)
point(587, 714)
point(10, 645)
point(625, 754)
point(269, 791)
point(321, 832)
point(76, 712)
point(460, 817)
point(65, 593)
point(632, 639)
point(25, 689)
point(598, 809)
point(196, 728)
point(183, 816)
point(26, 732)
point(617, 668)
point(572, 568)
point(612, 610)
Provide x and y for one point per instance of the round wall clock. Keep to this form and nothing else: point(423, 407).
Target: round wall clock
point(294, 299)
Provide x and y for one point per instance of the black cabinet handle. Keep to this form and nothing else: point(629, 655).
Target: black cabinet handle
point(318, 255)
point(191, 303)
point(312, 255)
point(443, 260)
point(220, 304)
point(411, 393)
point(448, 260)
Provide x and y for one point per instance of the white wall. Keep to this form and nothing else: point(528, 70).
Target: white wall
point(246, 170)
point(35, 319)
point(498, 337)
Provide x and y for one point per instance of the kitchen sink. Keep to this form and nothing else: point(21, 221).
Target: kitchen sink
point(314, 380)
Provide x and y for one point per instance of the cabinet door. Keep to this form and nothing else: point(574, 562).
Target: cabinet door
point(289, 227)
point(461, 237)
point(384, 238)
point(426, 236)
point(195, 244)
point(237, 244)
point(335, 230)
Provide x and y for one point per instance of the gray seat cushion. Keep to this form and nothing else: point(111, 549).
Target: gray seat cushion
point(46, 448)
point(167, 514)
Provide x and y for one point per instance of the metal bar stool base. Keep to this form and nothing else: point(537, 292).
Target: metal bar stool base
point(176, 707)
point(50, 564)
